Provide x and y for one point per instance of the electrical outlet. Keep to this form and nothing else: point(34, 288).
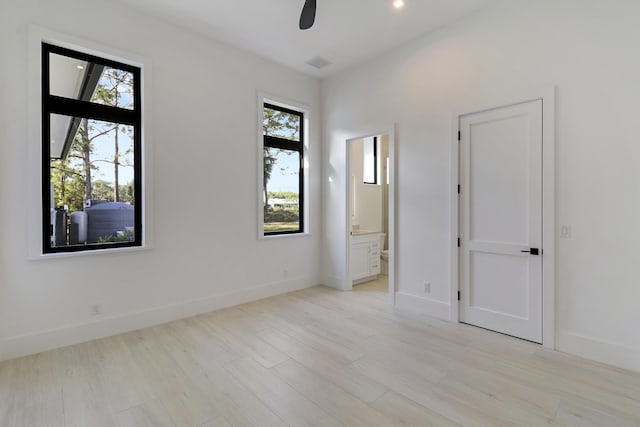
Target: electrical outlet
point(285, 273)
point(427, 287)
point(96, 310)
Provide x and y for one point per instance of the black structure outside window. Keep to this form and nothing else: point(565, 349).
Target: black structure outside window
point(283, 170)
point(91, 152)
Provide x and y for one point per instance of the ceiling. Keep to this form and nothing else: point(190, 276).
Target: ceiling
point(345, 33)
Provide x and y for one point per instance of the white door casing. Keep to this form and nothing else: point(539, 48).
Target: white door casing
point(501, 219)
point(392, 133)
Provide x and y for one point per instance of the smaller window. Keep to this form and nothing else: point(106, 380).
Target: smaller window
point(370, 163)
point(283, 170)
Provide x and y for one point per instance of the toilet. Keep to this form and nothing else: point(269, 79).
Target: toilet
point(384, 257)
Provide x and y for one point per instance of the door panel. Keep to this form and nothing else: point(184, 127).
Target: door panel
point(499, 206)
point(491, 286)
point(501, 216)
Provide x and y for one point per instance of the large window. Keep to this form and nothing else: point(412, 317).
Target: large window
point(91, 152)
point(283, 170)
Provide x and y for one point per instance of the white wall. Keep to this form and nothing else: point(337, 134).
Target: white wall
point(586, 48)
point(204, 129)
point(368, 197)
point(4, 176)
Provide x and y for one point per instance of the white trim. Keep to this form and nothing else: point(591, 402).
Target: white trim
point(307, 113)
point(334, 282)
point(347, 282)
point(37, 35)
point(88, 252)
point(393, 224)
point(549, 218)
point(108, 326)
point(284, 236)
point(548, 211)
point(422, 305)
point(454, 307)
point(611, 353)
point(392, 132)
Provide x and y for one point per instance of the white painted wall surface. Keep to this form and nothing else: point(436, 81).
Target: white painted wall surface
point(205, 252)
point(519, 47)
point(368, 197)
point(4, 175)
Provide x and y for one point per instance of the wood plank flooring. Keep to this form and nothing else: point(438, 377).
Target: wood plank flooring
point(316, 357)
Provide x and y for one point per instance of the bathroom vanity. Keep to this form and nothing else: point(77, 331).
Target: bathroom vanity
point(365, 256)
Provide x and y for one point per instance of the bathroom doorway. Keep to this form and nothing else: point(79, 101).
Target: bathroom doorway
point(371, 212)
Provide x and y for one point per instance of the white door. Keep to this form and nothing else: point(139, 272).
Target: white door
point(501, 220)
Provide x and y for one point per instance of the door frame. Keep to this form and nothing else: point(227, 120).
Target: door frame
point(392, 131)
point(548, 98)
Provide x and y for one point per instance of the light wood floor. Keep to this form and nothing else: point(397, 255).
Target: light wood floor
point(314, 357)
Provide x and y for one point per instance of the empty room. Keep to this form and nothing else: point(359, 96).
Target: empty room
point(319, 212)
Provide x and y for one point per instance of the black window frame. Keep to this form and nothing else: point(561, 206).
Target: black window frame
point(375, 162)
point(78, 108)
point(290, 145)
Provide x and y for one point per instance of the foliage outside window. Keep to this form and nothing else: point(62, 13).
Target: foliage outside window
point(91, 116)
point(370, 161)
point(283, 170)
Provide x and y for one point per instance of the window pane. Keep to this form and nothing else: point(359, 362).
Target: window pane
point(86, 81)
point(281, 190)
point(281, 124)
point(92, 182)
point(369, 166)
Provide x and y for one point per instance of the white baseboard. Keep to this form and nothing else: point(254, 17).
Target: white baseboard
point(423, 305)
point(365, 279)
point(107, 326)
point(334, 282)
point(619, 355)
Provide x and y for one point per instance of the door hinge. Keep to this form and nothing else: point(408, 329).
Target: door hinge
point(458, 188)
point(459, 136)
point(458, 295)
point(458, 242)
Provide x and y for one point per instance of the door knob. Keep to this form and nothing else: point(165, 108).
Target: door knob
point(533, 251)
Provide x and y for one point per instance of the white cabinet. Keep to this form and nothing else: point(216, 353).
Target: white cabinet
point(360, 260)
point(365, 257)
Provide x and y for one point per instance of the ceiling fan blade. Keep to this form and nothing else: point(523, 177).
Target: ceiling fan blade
point(308, 16)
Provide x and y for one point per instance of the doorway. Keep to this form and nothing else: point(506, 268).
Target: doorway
point(505, 231)
point(370, 213)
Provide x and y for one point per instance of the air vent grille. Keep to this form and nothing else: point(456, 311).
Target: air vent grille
point(318, 62)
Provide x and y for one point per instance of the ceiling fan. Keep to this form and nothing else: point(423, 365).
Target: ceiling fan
point(308, 15)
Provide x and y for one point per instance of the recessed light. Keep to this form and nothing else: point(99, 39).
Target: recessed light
point(79, 67)
point(398, 4)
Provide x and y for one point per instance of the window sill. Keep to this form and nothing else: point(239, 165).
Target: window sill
point(283, 236)
point(57, 255)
